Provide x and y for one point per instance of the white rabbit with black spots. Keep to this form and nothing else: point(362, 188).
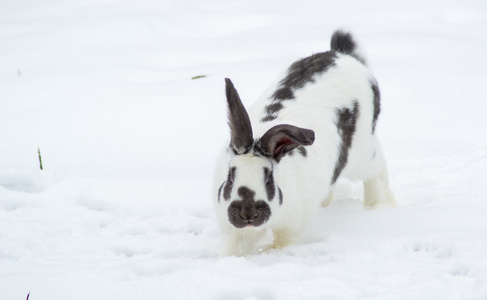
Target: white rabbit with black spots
point(315, 124)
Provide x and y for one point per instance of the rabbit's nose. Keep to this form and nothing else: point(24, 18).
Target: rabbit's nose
point(249, 215)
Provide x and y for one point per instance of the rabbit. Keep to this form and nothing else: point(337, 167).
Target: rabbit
point(315, 124)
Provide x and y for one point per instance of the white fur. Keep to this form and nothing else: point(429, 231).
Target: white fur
point(306, 181)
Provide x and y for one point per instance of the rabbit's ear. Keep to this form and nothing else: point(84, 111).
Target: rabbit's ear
point(238, 120)
point(281, 139)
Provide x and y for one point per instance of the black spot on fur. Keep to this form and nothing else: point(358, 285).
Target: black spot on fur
point(284, 93)
point(227, 190)
point(375, 90)
point(271, 111)
point(303, 71)
point(346, 125)
point(246, 193)
point(274, 108)
point(270, 188)
point(268, 118)
point(248, 212)
point(280, 195)
point(343, 42)
point(298, 75)
point(302, 150)
point(220, 191)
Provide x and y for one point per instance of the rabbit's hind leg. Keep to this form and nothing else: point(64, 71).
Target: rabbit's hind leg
point(377, 193)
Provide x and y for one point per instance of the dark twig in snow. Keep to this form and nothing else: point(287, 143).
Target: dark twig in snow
point(40, 158)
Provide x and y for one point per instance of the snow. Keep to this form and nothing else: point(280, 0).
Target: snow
point(123, 208)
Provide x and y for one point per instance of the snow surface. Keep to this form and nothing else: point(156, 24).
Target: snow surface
point(123, 207)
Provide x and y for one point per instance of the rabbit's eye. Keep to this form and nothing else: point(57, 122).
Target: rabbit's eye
point(269, 184)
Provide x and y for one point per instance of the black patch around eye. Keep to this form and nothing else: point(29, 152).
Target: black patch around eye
point(269, 184)
point(220, 191)
point(227, 190)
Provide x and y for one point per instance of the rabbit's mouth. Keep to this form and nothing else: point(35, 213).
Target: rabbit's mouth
point(248, 214)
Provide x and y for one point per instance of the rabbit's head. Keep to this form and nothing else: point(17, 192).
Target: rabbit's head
point(249, 195)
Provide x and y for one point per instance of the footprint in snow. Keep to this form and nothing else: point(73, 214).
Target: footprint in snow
point(430, 248)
